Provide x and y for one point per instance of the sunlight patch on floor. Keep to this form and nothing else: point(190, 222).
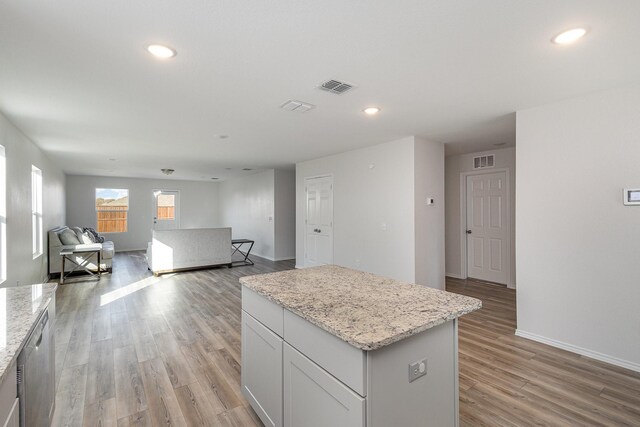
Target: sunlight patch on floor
point(112, 296)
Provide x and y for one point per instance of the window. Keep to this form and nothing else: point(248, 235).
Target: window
point(3, 216)
point(166, 208)
point(36, 210)
point(112, 208)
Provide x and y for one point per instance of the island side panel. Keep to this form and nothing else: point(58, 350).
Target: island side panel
point(427, 401)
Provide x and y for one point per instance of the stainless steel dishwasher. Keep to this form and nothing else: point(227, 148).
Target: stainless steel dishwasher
point(36, 376)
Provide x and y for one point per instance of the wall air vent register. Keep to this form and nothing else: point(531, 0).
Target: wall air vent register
point(482, 162)
point(335, 86)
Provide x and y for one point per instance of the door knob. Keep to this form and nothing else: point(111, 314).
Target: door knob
point(468, 231)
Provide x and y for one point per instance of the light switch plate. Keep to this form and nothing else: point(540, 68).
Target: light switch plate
point(417, 369)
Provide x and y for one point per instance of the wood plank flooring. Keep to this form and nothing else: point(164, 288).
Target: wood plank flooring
point(135, 350)
point(506, 380)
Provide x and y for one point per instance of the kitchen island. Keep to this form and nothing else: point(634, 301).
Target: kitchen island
point(21, 311)
point(333, 346)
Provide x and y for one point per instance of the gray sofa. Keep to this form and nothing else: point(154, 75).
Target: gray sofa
point(56, 245)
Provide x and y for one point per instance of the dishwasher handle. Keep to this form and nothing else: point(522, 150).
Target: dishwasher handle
point(36, 335)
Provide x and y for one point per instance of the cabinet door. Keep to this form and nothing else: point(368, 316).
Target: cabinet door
point(262, 370)
point(314, 398)
point(13, 419)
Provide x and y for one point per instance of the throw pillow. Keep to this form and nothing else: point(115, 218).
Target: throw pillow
point(96, 237)
point(78, 232)
point(87, 238)
point(68, 237)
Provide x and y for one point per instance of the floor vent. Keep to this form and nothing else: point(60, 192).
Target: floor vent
point(335, 86)
point(482, 162)
point(297, 106)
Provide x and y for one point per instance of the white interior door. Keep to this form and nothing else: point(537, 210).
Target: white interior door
point(318, 249)
point(487, 227)
point(166, 210)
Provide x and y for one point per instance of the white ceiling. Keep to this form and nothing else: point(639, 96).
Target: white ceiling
point(75, 77)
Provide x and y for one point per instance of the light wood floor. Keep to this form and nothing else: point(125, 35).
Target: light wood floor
point(134, 350)
point(511, 381)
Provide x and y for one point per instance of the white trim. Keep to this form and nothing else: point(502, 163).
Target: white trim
point(298, 267)
point(455, 276)
point(463, 220)
point(285, 258)
point(580, 350)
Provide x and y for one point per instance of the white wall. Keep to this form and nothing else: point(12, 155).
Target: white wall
point(285, 214)
point(429, 219)
point(375, 186)
point(578, 247)
point(198, 205)
point(248, 207)
point(21, 153)
point(505, 158)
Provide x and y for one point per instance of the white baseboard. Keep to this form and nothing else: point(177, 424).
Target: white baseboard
point(286, 258)
point(580, 350)
point(299, 266)
point(455, 276)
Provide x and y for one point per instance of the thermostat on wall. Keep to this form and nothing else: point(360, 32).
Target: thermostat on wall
point(632, 196)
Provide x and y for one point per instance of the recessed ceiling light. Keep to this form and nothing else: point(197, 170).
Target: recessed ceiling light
point(569, 36)
point(160, 51)
point(247, 169)
point(499, 144)
point(167, 171)
point(112, 160)
point(213, 177)
point(371, 110)
point(221, 136)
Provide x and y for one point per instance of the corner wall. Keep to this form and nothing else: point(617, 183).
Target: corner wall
point(378, 226)
point(198, 205)
point(21, 153)
point(578, 246)
point(248, 208)
point(429, 219)
point(261, 207)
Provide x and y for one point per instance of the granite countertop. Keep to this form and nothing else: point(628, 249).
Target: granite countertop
point(20, 308)
point(366, 310)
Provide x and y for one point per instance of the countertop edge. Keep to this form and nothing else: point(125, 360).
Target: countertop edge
point(14, 357)
point(370, 346)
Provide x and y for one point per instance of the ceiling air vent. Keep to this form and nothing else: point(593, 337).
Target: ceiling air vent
point(335, 86)
point(482, 162)
point(297, 106)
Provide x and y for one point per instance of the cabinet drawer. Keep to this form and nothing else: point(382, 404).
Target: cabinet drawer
point(261, 377)
point(314, 398)
point(268, 313)
point(342, 360)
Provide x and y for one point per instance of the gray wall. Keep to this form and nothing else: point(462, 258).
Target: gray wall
point(198, 205)
point(21, 153)
point(578, 246)
point(285, 214)
point(261, 207)
point(248, 208)
point(505, 158)
point(383, 184)
point(429, 219)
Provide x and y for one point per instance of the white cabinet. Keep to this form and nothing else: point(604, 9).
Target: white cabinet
point(314, 398)
point(13, 419)
point(262, 370)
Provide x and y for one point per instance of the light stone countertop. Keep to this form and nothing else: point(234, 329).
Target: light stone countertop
point(366, 310)
point(20, 308)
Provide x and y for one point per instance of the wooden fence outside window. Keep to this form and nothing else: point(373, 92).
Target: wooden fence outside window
point(112, 219)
